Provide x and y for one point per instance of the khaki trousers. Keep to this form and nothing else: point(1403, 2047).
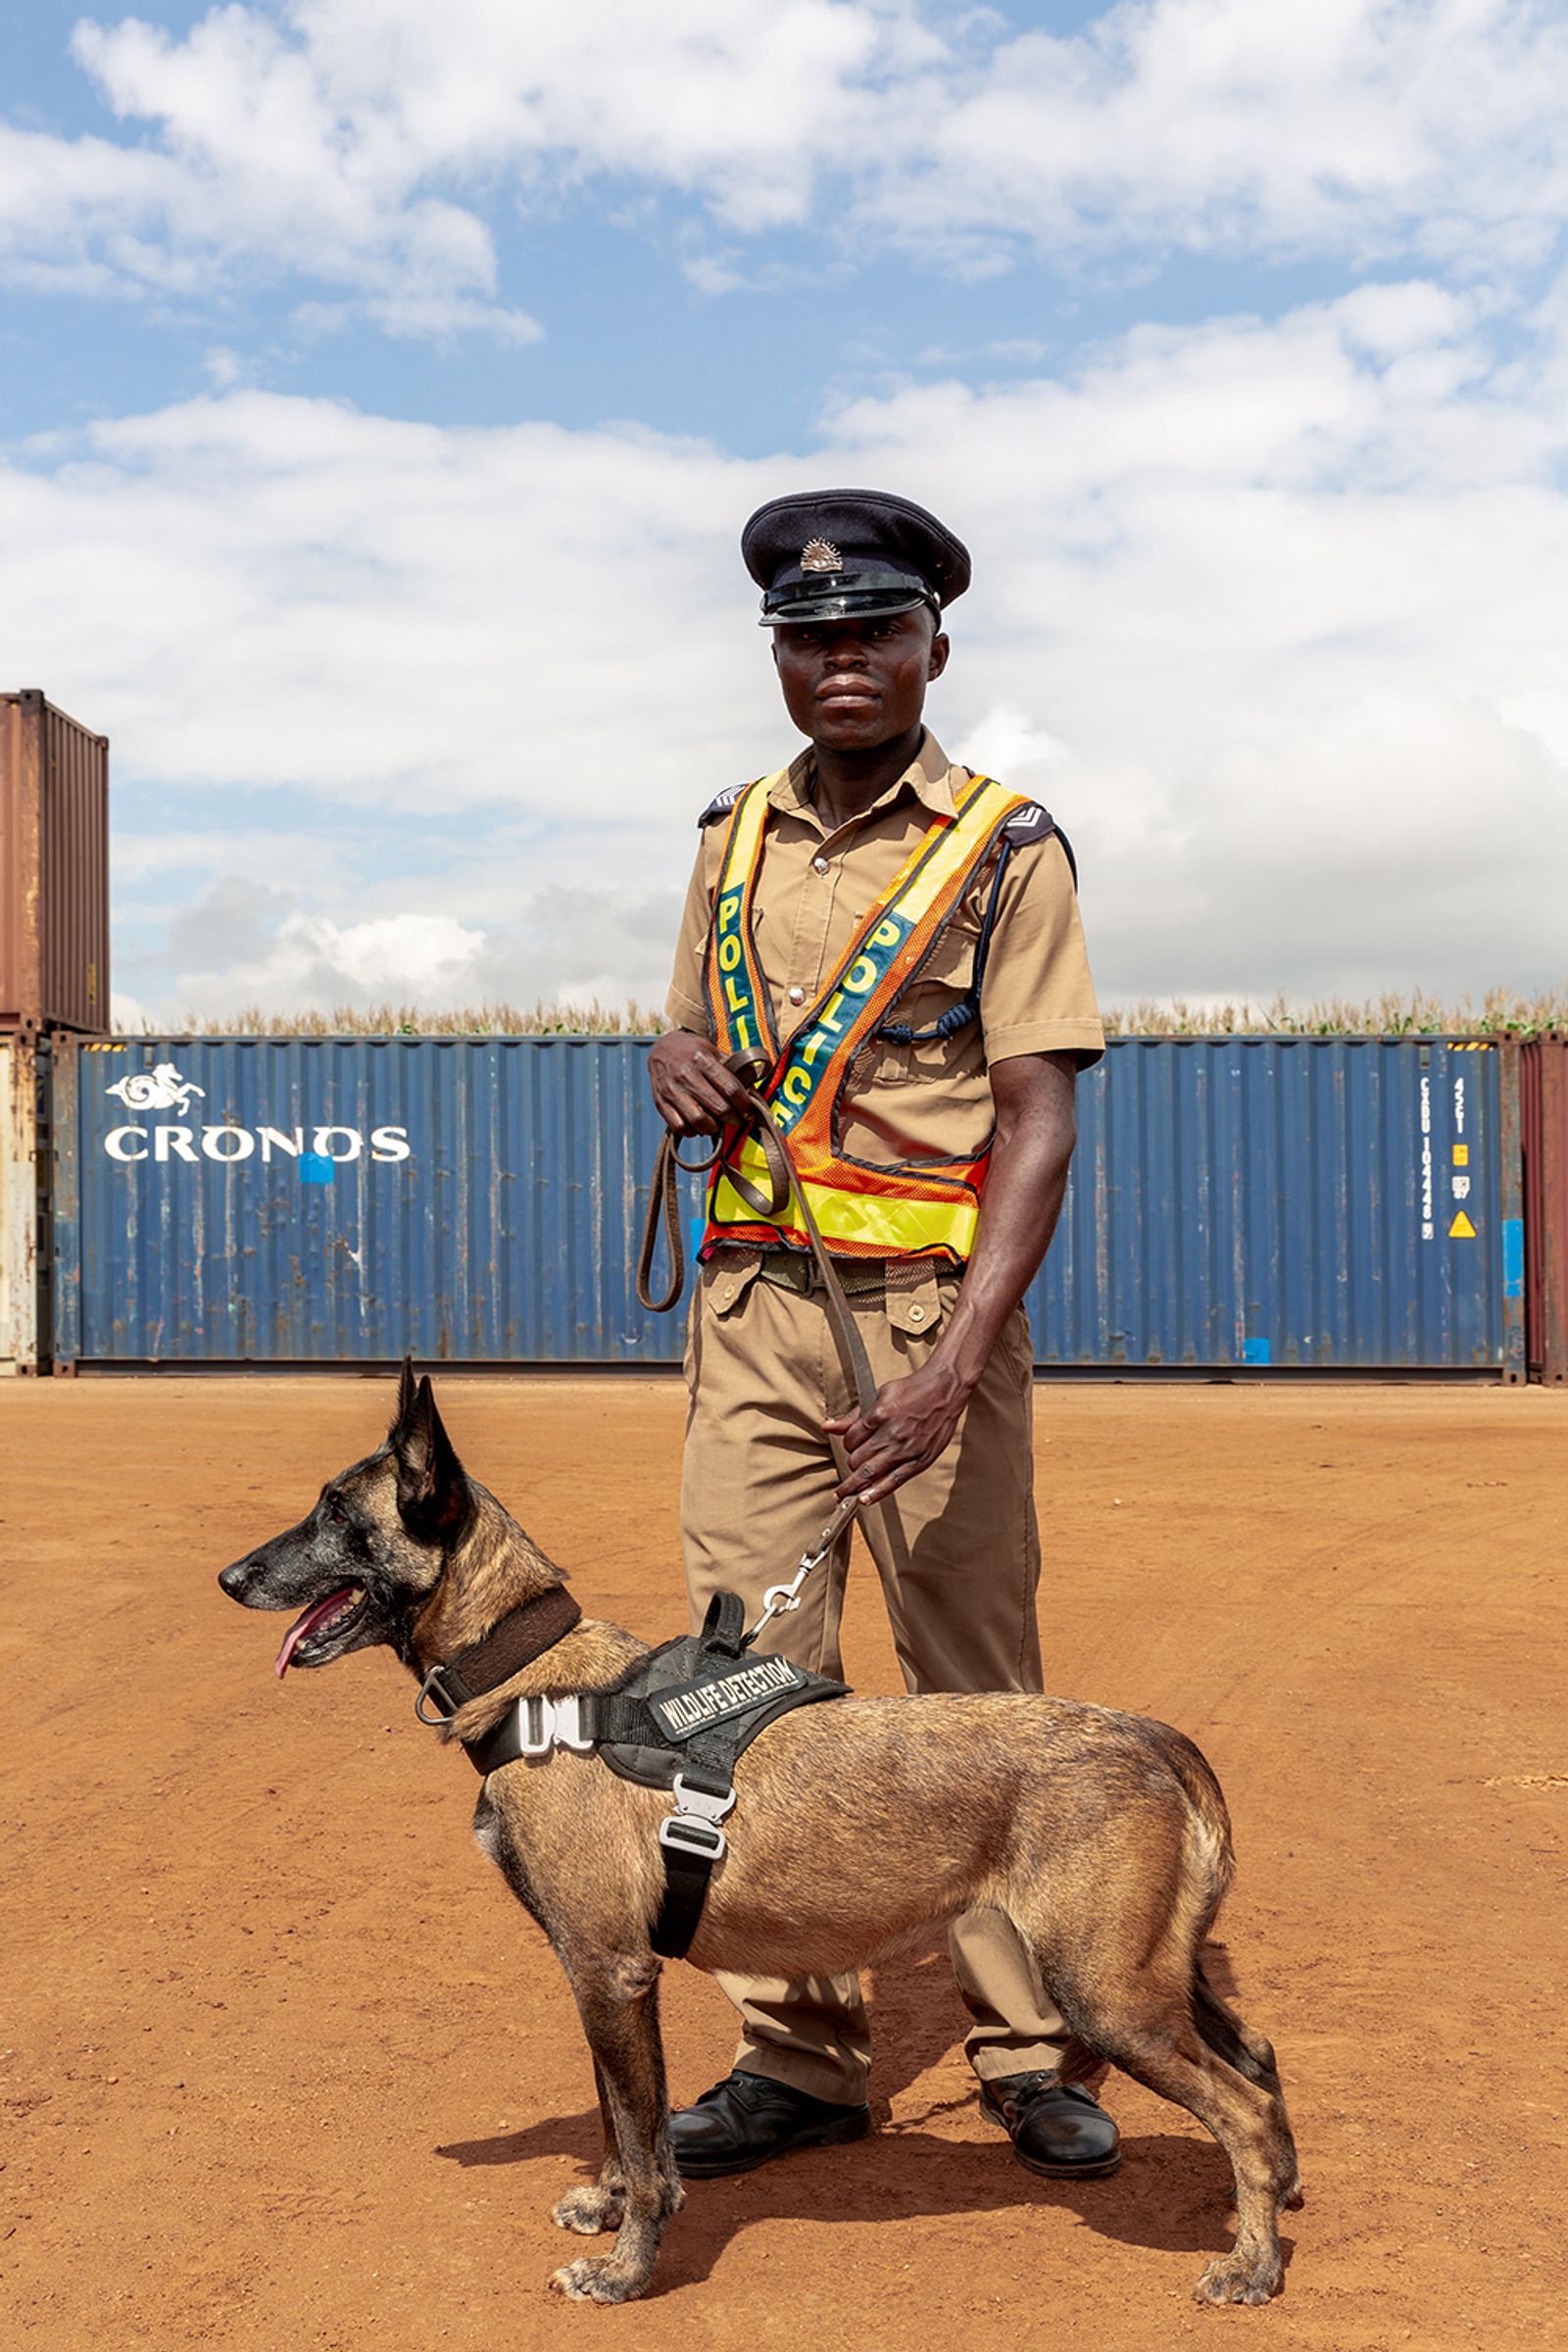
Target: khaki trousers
point(958, 1584)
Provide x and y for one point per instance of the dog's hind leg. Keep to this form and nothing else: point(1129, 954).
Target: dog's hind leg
point(638, 2189)
point(1124, 1978)
point(1153, 2039)
point(1249, 2125)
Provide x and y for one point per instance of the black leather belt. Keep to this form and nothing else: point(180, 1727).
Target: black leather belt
point(794, 1270)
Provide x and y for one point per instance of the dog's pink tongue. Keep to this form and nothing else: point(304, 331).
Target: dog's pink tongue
point(308, 1624)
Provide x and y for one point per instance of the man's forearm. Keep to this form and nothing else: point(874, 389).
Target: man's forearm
point(1025, 1184)
point(914, 1417)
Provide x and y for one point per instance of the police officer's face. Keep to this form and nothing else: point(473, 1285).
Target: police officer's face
point(852, 685)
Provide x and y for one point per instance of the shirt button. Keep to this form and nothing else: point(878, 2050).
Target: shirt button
point(819, 865)
point(797, 995)
point(917, 1314)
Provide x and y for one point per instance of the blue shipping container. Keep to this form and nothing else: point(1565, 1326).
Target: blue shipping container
point(1324, 1202)
point(1304, 1201)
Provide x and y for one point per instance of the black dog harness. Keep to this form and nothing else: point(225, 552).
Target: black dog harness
point(678, 1720)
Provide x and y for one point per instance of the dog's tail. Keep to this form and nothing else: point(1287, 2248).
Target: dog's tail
point(1228, 2037)
point(1211, 1859)
point(1209, 1855)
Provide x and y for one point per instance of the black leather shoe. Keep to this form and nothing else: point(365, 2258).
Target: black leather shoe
point(748, 2119)
point(1055, 2128)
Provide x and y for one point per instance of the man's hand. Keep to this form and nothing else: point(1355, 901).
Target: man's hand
point(911, 1422)
point(693, 1092)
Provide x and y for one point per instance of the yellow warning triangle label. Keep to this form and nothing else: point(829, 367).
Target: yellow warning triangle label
point(1461, 1230)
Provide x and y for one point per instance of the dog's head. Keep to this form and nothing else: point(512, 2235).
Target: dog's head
point(372, 1553)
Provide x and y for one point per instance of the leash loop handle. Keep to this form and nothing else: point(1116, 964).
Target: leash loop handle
point(784, 1185)
point(664, 1206)
point(663, 1199)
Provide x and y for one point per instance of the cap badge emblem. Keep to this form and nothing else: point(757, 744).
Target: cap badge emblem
point(820, 555)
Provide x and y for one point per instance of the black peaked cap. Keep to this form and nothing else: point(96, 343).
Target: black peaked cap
point(836, 554)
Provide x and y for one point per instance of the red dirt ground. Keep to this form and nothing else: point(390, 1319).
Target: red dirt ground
point(285, 2066)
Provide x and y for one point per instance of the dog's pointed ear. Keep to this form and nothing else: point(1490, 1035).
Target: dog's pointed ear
point(433, 1497)
point(406, 1391)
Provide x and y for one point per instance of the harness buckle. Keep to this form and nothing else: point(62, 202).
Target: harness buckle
point(692, 1828)
point(546, 1723)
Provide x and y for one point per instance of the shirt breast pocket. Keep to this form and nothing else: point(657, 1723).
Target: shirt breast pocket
point(935, 995)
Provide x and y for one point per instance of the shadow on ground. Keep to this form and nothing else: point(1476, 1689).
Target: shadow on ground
point(1172, 2193)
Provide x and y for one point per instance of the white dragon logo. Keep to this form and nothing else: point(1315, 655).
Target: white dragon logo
point(159, 1089)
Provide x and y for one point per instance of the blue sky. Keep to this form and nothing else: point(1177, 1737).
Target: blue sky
point(384, 388)
point(627, 332)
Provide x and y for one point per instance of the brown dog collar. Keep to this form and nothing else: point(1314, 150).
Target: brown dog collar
point(524, 1633)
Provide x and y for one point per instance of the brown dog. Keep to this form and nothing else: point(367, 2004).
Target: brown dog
point(1102, 1837)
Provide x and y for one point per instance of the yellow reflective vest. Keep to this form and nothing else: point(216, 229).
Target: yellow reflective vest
point(929, 1208)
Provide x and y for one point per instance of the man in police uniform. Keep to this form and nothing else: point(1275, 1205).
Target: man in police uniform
point(936, 1239)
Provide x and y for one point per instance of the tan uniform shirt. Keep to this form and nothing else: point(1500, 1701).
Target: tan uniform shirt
point(913, 1101)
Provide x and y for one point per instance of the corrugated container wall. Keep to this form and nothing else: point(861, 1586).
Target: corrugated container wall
point(18, 1206)
point(1310, 1202)
point(1543, 1139)
point(54, 868)
point(1326, 1203)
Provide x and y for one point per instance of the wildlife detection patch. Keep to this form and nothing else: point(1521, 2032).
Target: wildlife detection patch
point(693, 1706)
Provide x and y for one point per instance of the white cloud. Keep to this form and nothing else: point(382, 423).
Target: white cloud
point(128, 1012)
point(396, 613)
point(371, 146)
point(1270, 613)
point(241, 944)
point(354, 142)
point(250, 170)
point(412, 958)
point(1356, 127)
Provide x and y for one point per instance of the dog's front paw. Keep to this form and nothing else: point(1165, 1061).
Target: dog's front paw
point(591, 2208)
point(599, 2278)
point(1234, 2279)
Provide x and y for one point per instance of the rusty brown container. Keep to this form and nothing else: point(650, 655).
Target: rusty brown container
point(54, 868)
point(1544, 1152)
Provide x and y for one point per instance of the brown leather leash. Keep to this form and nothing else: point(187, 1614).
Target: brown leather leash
point(784, 1186)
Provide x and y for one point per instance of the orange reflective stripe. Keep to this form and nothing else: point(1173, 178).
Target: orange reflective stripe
point(880, 960)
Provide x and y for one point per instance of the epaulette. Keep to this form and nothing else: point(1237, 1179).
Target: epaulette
point(721, 805)
point(1036, 823)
